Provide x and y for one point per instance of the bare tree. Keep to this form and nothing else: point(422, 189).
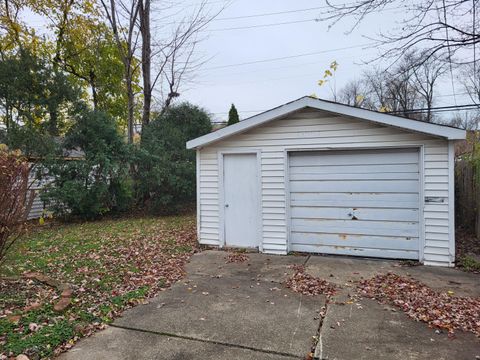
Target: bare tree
point(392, 91)
point(440, 27)
point(471, 82)
point(166, 61)
point(468, 120)
point(123, 17)
point(399, 89)
point(15, 196)
point(425, 78)
point(354, 93)
point(145, 31)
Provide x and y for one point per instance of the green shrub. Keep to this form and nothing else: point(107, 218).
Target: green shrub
point(233, 115)
point(33, 142)
point(165, 168)
point(99, 182)
point(469, 263)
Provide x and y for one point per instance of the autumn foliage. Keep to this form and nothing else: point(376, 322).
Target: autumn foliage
point(15, 197)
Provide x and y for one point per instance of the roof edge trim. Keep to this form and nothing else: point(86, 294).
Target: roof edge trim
point(447, 132)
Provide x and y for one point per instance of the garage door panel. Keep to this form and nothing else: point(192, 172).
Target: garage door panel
point(354, 176)
point(353, 169)
point(373, 186)
point(409, 215)
point(360, 241)
point(378, 228)
point(309, 158)
point(357, 199)
point(354, 251)
point(356, 204)
point(363, 202)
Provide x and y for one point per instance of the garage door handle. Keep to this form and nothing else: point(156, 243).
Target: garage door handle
point(226, 205)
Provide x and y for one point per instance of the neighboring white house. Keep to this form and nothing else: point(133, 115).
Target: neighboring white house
point(38, 208)
point(322, 177)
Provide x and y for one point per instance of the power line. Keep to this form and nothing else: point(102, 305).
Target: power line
point(278, 23)
point(438, 109)
point(271, 13)
point(267, 25)
point(286, 57)
point(433, 109)
point(245, 111)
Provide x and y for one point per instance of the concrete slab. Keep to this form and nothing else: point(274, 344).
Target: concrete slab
point(242, 311)
point(344, 270)
point(240, 304)
point(268, 267)
point(377, 332)
point(445, 279)
point(341, 270)
point(121, 344)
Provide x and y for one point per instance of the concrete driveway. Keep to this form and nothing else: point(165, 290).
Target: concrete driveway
point(243, 311)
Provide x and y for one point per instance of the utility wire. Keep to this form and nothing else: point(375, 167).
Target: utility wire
point(434, 109)
point(266, 25)
point(439, 108)
point(287, 57)
point(271, 13)
point(280, 23)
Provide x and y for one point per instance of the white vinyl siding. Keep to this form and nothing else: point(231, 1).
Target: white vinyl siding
point(35, 185)
point(314, 129)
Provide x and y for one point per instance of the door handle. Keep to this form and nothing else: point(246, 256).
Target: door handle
point(226, 205)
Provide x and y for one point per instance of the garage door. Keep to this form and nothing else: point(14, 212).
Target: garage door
point(362, 202)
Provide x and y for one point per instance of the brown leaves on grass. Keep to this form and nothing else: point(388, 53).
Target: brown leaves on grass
point(236, 257)
point(22, 294)
point(110, 266)
point(144, 262)
point(439, 309)
point(306, 284)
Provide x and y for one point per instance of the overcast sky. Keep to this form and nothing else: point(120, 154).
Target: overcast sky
point(262, 85)
point(264, 53)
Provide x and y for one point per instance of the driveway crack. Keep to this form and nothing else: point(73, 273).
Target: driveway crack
point(215, 342)
point(306, 260)
point(317, 348)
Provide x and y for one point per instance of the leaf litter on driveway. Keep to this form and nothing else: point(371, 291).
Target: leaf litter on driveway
point(236, 257)
point(440, 310)
point(306, 284)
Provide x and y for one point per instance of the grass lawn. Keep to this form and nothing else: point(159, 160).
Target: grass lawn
point(110, 265)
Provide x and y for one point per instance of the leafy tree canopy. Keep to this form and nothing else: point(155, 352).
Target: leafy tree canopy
point(98, 183)
point(34, 94)
point(166, 169)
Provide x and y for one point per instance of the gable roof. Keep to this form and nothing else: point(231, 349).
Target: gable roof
point(448, 132)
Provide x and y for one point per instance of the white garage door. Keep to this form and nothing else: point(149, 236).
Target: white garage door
point(361, 202)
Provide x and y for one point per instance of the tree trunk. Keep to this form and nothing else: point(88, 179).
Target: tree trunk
point(93, 86)
point(53, 123)
point(146, 59)
point(131, 104)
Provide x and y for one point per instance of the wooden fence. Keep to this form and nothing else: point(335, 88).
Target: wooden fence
point(467, 195)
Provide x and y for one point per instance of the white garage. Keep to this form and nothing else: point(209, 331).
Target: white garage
point(321, 177)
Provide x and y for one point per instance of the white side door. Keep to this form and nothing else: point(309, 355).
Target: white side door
point(241, 203)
